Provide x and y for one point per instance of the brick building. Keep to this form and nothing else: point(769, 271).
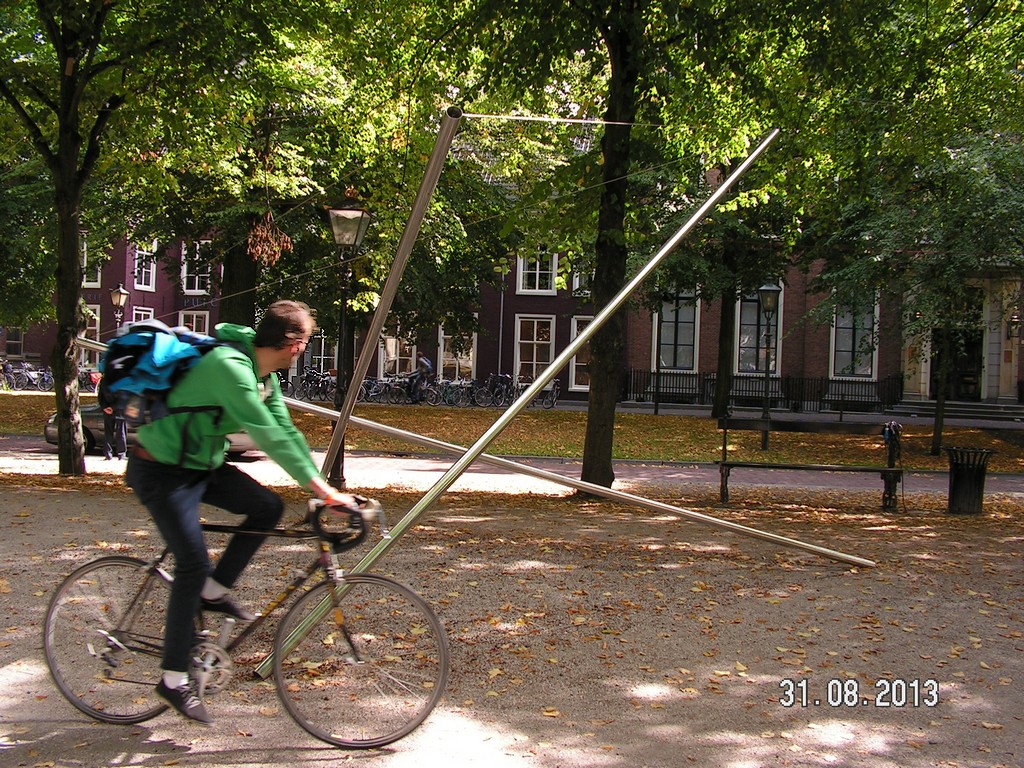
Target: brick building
point(670, 355)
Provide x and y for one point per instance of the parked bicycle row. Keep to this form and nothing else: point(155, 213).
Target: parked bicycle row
point(21, 375)
point(499, 390)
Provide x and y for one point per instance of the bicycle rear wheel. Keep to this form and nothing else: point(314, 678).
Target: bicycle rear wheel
point(103, 637)
point(367, 671)
point(483, 397)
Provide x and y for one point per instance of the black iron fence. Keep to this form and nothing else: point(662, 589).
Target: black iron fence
point(792, 393)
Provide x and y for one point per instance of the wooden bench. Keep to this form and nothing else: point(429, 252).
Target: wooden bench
point(890, 474)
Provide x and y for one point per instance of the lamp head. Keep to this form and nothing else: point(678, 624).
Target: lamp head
point(349, 225)
point(119, 296)
point(768, 294)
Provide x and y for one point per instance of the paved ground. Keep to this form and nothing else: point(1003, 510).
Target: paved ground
point(587, 634)
point(419, 472)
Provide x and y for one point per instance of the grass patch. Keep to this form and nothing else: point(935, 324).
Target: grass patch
point(638, 436)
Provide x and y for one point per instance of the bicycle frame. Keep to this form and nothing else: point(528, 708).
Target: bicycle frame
point(326, 561)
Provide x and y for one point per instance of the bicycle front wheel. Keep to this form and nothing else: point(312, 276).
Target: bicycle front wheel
point(103, 638)
point(362, 671)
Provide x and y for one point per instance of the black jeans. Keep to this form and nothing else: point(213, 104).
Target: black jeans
point(115, 434)
point(172, 495)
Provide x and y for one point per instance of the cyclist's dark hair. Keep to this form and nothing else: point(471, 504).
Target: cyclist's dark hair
point(282, 323)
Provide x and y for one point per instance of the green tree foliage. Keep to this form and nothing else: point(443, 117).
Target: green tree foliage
point(929, 234)
point(921, 189)
point(71, 74)
point(714, 76)
point(26, 247)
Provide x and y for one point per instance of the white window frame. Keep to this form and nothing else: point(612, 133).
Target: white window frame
point(88, 358)
point(579, 376)
point(14, 340)
point(321, 352)
point(873, 374)
point(141, 314)
point(197, 320)
point(533, 273)
point(202, 278)
point(535, 367)
point(398, 349)
point(449, 364)
point(683, 297)
point(581, 284)
point(96, 274)
point(144, 271)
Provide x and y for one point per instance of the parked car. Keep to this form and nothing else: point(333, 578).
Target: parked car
point(92, 431)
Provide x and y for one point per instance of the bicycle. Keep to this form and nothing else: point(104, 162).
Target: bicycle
point(359, 660)
point(548, 397)
point(451, 393)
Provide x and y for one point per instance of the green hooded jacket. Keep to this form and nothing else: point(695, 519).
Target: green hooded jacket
point(223, 394)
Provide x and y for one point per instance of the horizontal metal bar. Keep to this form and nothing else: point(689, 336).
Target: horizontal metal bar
point(597, 490)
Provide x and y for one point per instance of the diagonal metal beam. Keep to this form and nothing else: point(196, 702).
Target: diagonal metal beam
point(582, 485)
point(449, 125)
point(531, 392)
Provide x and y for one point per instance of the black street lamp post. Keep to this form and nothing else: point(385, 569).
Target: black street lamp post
point(119, 298)
point(768, 295)
point(349, 226)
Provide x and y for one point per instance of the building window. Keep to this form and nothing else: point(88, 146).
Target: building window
point(15, 344)
point(321, 353)
point(677, 333)
point(853, 343)
point(581, 284)
point(397, 356)
point(197, 322)
point(145, 266)
point(535, 344)
point(195, 275)
point(458, 361)
point(141, 314)
point(753, 335)
point(537, 275)
point(91, 271)
point(579, 368)
point(87, 357)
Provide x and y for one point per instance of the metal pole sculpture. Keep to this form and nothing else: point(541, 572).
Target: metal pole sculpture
point(449, 124)
point(582, 485)
point(597, 490)
point(531, 392)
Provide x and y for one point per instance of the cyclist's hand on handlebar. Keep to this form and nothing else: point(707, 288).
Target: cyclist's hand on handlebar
point(335, 498)
point(349, 502)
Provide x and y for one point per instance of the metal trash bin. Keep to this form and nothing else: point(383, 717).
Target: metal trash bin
point(966, 479)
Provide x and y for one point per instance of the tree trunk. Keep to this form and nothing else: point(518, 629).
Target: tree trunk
point(726, 353)
point(726, 327)
point(607, 345)
point(238, 288)
point(70, 323)
point(945, 367)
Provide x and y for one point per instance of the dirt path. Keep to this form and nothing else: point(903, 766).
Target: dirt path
point(595, 635)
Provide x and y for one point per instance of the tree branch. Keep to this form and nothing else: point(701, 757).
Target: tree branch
point(49, 23)
point(92, 149)
point(36, 135)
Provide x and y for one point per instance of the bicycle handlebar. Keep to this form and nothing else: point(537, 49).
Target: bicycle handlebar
point(355, 519)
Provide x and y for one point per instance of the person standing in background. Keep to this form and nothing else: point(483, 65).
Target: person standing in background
point(115, 432)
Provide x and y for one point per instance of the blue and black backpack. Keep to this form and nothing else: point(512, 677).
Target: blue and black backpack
point(141, 366)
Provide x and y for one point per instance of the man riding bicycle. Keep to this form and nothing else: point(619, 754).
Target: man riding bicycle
point(419, 378)
point(179, 463)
